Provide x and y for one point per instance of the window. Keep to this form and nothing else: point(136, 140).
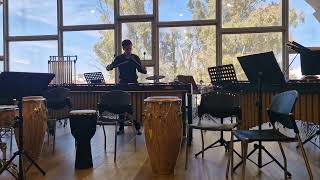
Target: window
point(1, 30)
point(31, 56)
point(177, 10)
point(140, 35)
point(95, 49)
point(304, 24)
point(1, 66)
point(136, 7)
point(243, 13)
point(32, 17)
point(142, 77)
point(295, 67)
point(88, 12)
point(302, 30)
point(235, 45)
point(187, 51)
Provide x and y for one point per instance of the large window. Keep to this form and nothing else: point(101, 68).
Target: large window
point(175, 37)
point(95, 49)
point(1, 66)
point(140, 35)
point(78, 12)
point(32, 17)
point(136, 7)
point(236, 45)
point(177, 10)
point(244, 13)
point(188, 51)
point(31, 56)
point(303, 28)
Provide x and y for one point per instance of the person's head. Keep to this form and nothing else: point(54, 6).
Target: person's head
point(127, 46)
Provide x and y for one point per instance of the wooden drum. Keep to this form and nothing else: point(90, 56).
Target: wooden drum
point(35, 117)
point(163, 132)
point(7, 115)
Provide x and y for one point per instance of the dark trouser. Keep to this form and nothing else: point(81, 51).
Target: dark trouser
point(121, 123)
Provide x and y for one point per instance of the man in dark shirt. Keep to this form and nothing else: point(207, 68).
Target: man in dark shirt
point(128, 65)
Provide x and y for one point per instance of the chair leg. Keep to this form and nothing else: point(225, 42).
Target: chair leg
point(115, 143)
point(54, 139)
point(230, 157)
point(284, 160)
point(305, 157)
point(11, 136)
point(105, 138)
point(187, 150)
point(244, 147)
point(202, 140)
point(135, 135)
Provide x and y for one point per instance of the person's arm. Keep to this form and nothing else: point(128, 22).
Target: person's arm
point(141, 68)
point(111, 66)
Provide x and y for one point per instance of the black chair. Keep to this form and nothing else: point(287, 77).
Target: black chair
point(280, 111)
point(114, 107)
point(217, 104)
point(57, 101)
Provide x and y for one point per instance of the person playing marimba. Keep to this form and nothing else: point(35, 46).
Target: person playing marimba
point(128, 64)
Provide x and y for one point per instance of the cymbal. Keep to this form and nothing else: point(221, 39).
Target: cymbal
point(156, 77)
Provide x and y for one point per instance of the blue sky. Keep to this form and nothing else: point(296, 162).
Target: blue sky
point(36, 17)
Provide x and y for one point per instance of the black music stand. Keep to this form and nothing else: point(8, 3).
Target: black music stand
point(222, 76)
point(16, 85)
point(94, 78)
point(189, 80)
point(262, 70)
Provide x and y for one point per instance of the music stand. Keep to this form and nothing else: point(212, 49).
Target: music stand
point(94, 78)
point(16, 85)
point(221, 76)
point(310, 63)
point(189, 80)
point(262, 70)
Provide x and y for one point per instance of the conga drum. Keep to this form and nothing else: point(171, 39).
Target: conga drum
point(35, 117)
point(83, 126)
point(7, 115)
point(163, 132)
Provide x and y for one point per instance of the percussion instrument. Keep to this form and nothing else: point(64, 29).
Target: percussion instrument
point(35, 117)
point(156, 77)
point(163, 132)
point(83, 126)
point(7, 115)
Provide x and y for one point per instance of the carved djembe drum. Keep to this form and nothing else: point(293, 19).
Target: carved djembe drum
point(163, 132)
point(83, 127)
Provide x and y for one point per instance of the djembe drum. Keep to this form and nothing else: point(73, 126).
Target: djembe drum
point(83, 126)
point(163, 132)
point(35, 117)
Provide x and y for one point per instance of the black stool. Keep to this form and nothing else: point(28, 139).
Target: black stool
point(83, 126)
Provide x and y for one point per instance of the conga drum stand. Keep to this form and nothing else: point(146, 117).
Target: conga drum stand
point(15, 85)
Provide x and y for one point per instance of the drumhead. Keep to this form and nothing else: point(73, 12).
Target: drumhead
point(8, 107)
point(33, 98)
point(162, 98)
point(83, 112)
